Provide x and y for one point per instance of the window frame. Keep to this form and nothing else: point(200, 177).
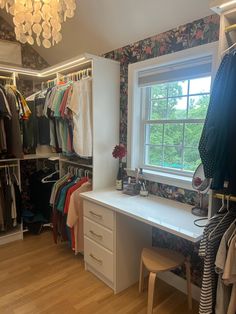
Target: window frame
point(145, 122)
point(135, 145)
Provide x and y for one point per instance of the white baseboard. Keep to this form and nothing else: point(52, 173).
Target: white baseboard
point(180, 284)
point(12, 236)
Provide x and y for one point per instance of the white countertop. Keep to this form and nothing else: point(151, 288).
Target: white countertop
point(171, 216)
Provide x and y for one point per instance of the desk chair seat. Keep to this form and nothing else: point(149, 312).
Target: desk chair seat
point(157, 260)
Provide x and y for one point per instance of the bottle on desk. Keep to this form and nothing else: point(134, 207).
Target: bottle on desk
point(119, 178)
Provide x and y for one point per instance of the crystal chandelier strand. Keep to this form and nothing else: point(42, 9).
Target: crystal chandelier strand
point(39, 20)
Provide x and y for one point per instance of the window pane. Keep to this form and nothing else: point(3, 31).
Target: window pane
point(177, 108)
point(173, 134)
point(177, 88)
point(154, 134)
point(200, 85)
point(154, 155)
point(198, 106)
point(159, 91)
point(191, 159)
point(173, 157)
point(158, 109)
point(192, 134)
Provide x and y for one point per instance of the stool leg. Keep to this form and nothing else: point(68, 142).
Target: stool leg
point(189, 287)
point(151, 288)
point(141, 277)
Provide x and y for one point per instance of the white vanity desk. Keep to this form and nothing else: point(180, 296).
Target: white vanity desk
point(118, 226)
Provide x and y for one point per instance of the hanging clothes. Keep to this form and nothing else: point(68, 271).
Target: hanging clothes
point(13, 111)
point(208, 251)
point(30, 132)
point(12, 127)
point(43, 131)
point(216, 148)
point(10, 200)
point(229, 275)
point(223, 291)
point(68, 107)
point(81, 106)
point(59, 220)
point(67, 210)
point(75, 216)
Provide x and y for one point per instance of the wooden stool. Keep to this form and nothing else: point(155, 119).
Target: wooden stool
point(158, 260)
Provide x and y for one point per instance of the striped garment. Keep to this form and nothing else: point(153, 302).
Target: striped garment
point(208, 250)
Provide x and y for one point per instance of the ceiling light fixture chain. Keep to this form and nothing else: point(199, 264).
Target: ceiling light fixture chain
point(39, 20)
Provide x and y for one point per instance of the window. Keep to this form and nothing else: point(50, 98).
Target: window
point(174, 114)
point(168, 101)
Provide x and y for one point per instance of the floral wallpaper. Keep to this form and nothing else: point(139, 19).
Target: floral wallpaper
point(175, 193)
point(30, 58)
point(193, 34)
point(200, 32)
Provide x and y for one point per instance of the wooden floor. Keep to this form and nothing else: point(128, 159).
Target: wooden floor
point(36, 276)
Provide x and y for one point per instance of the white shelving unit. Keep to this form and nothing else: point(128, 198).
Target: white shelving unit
point(105, 117)
point(227, 13)
point(227, 18)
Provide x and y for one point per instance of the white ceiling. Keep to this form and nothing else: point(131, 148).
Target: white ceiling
point(100, 26)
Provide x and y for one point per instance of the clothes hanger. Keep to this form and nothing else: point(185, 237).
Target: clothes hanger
point(45, 179)
point(81, 173)
point(228, 49)
point(210, 237)
point(70, 170)
point(222, 208)
point(15, 177)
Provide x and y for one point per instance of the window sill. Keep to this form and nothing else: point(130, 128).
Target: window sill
point(183, 182)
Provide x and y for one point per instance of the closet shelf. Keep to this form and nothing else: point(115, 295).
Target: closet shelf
point(75, 163)
point(30, 156)
point(39, 156)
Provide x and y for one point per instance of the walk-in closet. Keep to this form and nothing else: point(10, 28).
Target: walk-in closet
point(117, 157)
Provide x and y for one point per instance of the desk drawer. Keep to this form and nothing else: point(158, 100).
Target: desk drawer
point(99, 258)
point(99, 214)
point(98, 233)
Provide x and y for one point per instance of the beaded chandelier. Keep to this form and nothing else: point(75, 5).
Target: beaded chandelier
point(39, 20)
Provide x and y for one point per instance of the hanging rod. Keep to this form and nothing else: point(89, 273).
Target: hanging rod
point(76, 74)
point(226, 196)
point(10, 165)
point(6, 77)
point(230, 28)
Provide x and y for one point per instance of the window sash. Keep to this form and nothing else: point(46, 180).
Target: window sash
point(182, 147)
point(146, 103)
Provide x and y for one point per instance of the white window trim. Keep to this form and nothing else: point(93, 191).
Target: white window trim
point(134, 110)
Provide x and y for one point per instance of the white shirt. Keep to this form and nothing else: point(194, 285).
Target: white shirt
point(223, 291)
point(229, 275)
point(81, 106)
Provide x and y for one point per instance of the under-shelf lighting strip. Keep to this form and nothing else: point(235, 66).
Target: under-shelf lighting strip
point(224, 5)
point(44, 73)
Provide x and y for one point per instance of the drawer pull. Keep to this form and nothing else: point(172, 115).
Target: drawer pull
point(96, 215)
point(95, 258)
point(96, 235)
